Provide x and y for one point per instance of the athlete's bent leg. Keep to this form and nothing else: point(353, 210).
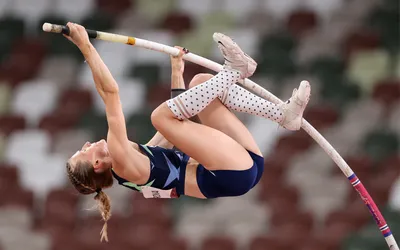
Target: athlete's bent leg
point(217, 116)
point(208, 146)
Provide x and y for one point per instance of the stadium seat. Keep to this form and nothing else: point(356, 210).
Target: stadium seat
point(186, 6)
point(60, 208)
point(323, 241)
point(301, 22)
point(142, 235)
point(29, 143)
point(17, 198)
point(140, 128)
point(5, 96)
point(216, 20)
point(11, 123)
point(360, 118)
point(276, 203)
point(4, 8)
point(41, 174)
point(24, 239)
point(59, 69)
point(326, 67)
point(75, 101)
point(147, 73)
point(323, 195)
point(323, 9)
point(313, 46)
point(23, 62)
point(356, 241)
point(387, 92)
point(360, 41)
point(15, 218)
point(241, 226)
point(170, 244)
point(97, 20)
point(368, 67)
point(293, 144)
point(95, 123)
point(29, 11)
point(58, 122)
point(265, 243)
point(9, 175)
point(384, 21)
point(394, 119)
point(157, 94)
point(340, 93)
point(238, 10)
point(275, 56)
point(177, 23)
point(66, 143)
point(69, 10)
point(155, 11)
point(11, 28)
point(115, 8)
point(289, 237)
point(280, 9)
point(321, 117)
point(260, 20)
point(34, 99)
point(380, 144)
point(216, 243)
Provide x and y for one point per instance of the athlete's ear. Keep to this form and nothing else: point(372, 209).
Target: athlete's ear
point(99, 166)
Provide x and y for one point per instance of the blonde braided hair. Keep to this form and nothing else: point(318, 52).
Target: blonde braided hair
point(85, 180)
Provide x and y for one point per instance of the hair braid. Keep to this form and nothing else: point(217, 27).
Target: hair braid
point(105, 210)
point(93, 184)
point(76, 182)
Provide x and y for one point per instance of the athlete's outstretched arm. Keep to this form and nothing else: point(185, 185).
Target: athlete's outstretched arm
point(119, 146)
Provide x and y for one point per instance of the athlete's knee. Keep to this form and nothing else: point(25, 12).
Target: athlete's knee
point(199, 79)
point(160, 115)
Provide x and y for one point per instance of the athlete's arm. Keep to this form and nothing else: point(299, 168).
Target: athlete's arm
point(117, 139)
point(177, 69)
point(177, 83)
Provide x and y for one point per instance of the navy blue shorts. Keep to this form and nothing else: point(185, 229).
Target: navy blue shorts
point(168, 170)
point(224, 183)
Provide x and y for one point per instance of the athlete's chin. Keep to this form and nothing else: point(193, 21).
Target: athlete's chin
point(104, 147)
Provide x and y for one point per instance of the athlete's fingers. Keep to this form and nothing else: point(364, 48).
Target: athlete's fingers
point(182, 51)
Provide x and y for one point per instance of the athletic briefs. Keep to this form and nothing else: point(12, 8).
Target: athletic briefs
point(168, 169)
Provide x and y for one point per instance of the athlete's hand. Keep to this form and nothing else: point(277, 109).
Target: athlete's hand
point(77, 35)
point(177, 63)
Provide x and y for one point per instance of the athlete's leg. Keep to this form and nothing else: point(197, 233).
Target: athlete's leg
point(217, 116)
point(210, 147)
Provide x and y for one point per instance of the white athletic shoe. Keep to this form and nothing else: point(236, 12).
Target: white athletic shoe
point(235, 58)
point(294, 107)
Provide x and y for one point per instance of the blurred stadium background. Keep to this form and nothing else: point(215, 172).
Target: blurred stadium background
point(348, 49)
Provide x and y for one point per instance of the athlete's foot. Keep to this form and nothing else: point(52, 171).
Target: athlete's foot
point(235, 58)
point(294, 107)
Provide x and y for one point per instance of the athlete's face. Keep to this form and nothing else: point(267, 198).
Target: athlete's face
point(95, 153)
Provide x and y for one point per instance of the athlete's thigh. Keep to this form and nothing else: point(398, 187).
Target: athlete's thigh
point(210, 147)
point(217, 116)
